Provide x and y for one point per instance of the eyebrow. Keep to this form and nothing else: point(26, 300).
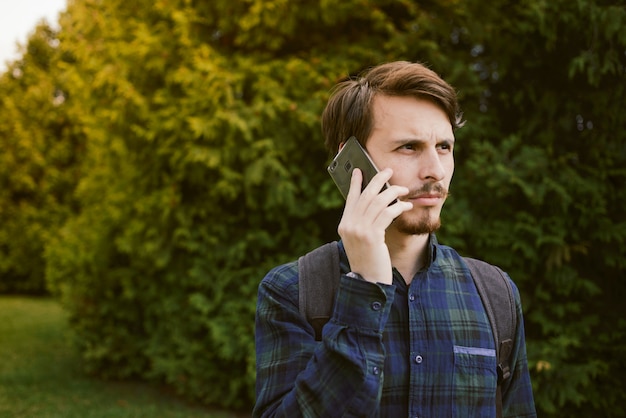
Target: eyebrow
point(404, 141)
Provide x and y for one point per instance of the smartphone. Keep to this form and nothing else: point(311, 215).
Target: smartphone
point(352, 156)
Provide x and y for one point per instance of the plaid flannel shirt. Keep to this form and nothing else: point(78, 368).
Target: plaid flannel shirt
point(419, 350)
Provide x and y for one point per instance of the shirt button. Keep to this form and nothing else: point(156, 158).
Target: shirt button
point(411, 297)
point(376, 370)
point(377, 306)
point(418, 359)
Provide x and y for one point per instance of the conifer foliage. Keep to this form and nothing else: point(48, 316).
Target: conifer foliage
point(159, 157)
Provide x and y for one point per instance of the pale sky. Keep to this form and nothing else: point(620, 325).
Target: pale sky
point(18, 19)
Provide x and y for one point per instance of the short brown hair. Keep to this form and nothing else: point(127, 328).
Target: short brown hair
point(349, 109)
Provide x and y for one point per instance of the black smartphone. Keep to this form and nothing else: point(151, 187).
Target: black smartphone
point(352, 156)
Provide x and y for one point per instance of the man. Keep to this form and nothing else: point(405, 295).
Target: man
point(409, 336)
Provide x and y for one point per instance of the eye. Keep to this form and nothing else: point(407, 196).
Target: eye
point(408, 146)
point(445, 146)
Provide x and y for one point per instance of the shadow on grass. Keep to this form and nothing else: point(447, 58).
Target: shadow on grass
point(40, 374)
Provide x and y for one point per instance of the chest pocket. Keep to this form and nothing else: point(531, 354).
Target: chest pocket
point(475, 381)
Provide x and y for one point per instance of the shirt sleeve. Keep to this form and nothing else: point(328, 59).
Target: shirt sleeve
point(517, 393)
point(340, 376)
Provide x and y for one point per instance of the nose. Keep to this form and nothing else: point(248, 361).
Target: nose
point(431, 166)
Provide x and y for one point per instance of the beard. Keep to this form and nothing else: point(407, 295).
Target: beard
point(426, 223)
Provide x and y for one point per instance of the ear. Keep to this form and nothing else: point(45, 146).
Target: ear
point(341, 145)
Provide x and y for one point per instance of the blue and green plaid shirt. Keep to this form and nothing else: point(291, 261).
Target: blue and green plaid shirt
point(419, 350)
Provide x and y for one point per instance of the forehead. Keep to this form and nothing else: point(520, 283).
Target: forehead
point(410, 116)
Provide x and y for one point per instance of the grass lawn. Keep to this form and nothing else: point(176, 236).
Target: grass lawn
point(40, 375)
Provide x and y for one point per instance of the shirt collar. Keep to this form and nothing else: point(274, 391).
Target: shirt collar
point(432, 249)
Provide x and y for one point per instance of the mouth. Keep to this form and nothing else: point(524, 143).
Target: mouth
point(425, 199)
point(429, 195)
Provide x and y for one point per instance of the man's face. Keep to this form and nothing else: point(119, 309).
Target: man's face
point(414, 137)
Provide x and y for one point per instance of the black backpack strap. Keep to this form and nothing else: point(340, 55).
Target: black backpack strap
point(318, 281)
point(497, 296)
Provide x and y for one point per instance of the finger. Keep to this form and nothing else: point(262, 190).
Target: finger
point(377, 183)
point(387, 216)
point(385, 198)
point(355, 188)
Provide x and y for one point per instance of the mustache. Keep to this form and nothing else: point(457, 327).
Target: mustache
point(428, 189)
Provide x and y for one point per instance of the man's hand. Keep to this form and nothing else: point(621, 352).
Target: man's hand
point(365, 219)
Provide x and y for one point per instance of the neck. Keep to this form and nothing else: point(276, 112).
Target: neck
point(409, 253)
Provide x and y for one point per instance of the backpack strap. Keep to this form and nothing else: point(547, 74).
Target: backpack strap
point(318, 281)
point(496, 293)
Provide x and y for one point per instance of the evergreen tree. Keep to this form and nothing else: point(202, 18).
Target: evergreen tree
point(39, 163)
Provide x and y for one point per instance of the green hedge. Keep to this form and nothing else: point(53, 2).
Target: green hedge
point(201, 166)
point(39, 163)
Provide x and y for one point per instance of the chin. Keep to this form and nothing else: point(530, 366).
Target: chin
point(425, 224)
